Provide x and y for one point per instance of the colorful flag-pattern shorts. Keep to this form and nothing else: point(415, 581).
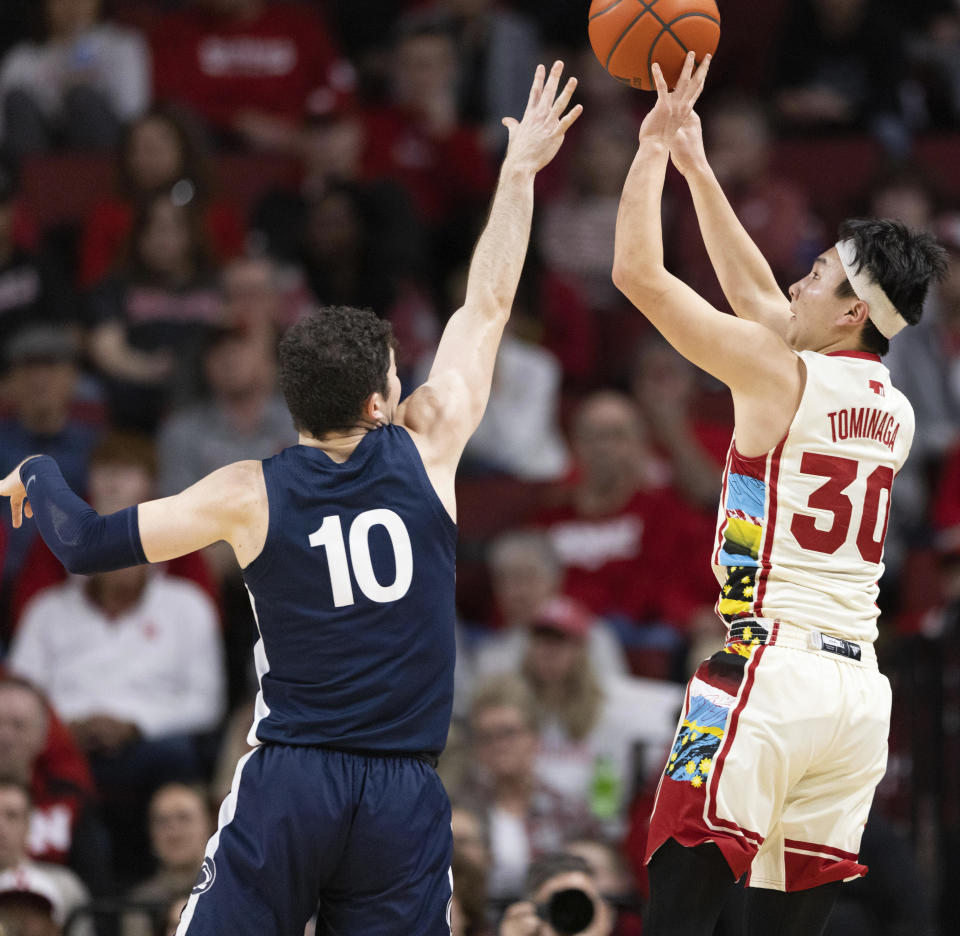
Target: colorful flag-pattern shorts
point(779, 750)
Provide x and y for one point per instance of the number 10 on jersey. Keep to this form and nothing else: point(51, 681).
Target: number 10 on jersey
point(330, 537)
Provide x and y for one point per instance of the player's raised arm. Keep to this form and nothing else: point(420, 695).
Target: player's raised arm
point(745, 276)
point(229, 504)
point(448, 407)
point(750, 358)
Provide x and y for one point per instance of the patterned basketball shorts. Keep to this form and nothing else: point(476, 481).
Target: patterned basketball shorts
point(779, 750)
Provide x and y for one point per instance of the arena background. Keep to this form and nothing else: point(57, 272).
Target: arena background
point(182, 179)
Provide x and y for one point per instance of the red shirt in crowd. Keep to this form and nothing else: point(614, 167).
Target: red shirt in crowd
point(271, 63)
point(649, 561)
point(441, 174)
point(108, 227)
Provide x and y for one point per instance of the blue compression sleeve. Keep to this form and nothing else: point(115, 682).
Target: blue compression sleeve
point(77, 535)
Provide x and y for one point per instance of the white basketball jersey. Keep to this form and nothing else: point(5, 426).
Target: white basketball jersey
point(800, 530)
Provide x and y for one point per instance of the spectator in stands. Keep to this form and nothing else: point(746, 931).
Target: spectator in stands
point(331, 149)
point(777, 215)
point(36, 750)
point(263, 298)
point(927, 365)
point(468, 910)
point(133, 661)
point(42, 374)
point(27, 910)
point(588, 750)
point(520, 432)
point(250, 69)
point(946, 510)
point(159, 153)
point(348, 261)
point(419, 143)
point(626, 544)
point(547, 876)
point(575, 235)
point(17, 870)
point(691, 434)
point(245, 416)
point(551, 311)
point(471, 836)
point(613, 880)
point(120, 460)
point(77, 86)
point(839, 65)
point(32, 290)
point(526, 574)
point(149, 322)
point(180, 824)
point(497, 49)
point(934, 45)
point(526, 817)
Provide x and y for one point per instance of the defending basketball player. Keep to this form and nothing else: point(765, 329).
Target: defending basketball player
point(346, 542)
point(783, 738)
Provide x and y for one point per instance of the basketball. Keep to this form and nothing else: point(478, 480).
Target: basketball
point(628, 36)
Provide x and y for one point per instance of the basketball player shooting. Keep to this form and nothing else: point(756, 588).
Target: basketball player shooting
point(346, 542)
point(783, 737)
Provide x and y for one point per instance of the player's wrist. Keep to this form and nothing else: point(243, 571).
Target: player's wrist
point(517, 168)
point(654, 144)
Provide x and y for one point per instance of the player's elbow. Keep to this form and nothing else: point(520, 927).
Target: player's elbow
point(634, 280)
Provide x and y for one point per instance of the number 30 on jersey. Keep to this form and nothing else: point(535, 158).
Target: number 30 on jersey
point(330, 536)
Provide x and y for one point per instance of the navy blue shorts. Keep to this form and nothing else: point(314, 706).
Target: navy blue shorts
point(362, 841)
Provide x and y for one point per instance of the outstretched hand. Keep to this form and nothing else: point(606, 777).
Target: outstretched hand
point(673, 108)
point(535, 139)
point(11, 486)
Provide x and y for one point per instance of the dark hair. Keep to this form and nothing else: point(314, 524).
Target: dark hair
point(194, 159)
point(330, 364)
point(127, 448)
point(549, 866)
point(201, 254)
point(901, 261)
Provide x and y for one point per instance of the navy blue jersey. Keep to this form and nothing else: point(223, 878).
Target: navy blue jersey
point(354, 599)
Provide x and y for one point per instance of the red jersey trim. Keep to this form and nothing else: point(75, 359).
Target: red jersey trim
point(863, 355)
point(828, 851)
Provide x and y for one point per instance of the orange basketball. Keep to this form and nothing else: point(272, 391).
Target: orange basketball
point(628, 36)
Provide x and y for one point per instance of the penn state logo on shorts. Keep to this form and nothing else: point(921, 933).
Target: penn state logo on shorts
point(208, 874)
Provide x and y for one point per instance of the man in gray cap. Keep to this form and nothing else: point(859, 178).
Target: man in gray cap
point(41, 363)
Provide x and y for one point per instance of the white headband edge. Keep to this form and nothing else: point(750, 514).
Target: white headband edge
point(883, 313)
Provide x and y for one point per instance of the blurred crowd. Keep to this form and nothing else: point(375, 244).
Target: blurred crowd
point(181, 180)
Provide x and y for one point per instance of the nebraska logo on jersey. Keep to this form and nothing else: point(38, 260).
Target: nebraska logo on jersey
point(877, 387)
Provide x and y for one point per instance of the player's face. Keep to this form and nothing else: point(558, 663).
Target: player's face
point(814, 306)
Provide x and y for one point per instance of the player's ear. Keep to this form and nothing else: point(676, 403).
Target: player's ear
point(376, 409)
point(856, 314)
